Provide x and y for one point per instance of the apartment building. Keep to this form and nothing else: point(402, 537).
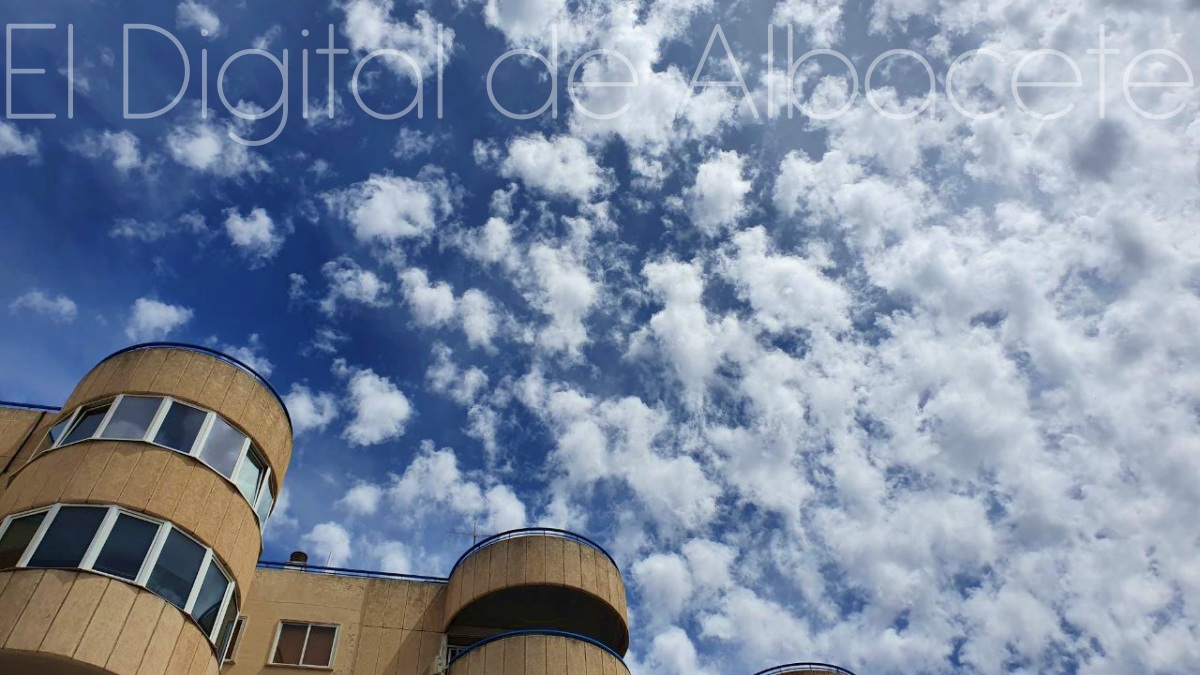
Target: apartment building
point(131, 535)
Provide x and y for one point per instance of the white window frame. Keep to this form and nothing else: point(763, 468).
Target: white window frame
point(235, 640)
point(164, 407)
point(337, 634)
point(149, 562)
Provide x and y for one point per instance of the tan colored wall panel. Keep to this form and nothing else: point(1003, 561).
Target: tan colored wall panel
point(515, 574)
point(571, 564)
point(162, 643)
point(143, 374)
point(105, 627)
point(17, 592)
point(73, 617)
point(135, 634)
point(40, 610)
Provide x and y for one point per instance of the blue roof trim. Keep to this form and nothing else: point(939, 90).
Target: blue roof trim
point(555, 633)
point(532, 532)
point(29, 406)
point(213, 353)
point(800, 668)
point(347, 572)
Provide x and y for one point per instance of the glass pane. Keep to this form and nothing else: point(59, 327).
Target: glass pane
point(180, 427)
point(176, 569)
point(68, 537)
point(208, 601)
point(223, 447)
point(249, 476)
point(89, 421)
point(231, 632)
point(126, 547)
point(57, 430)
point(20, 531)
point(132, 418)
point(265, 503)
point(291, 643)
point(320, 646)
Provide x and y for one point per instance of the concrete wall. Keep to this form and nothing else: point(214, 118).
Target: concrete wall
point(52, 619)
point(538, 655)
point(535, 560)
point(386, 626)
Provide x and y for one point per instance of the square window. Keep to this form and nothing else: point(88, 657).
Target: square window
point(68, 537)
point(303, 644)
point(18, 535)
point(86, 424)
point(126, 547)
point(208, 601)
point(132, 418)
point(180, 427)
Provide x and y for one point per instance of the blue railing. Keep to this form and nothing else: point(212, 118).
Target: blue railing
point(213, 353)
point(551, 633)
point(532, 532)
point(347, 572)
point(807, 667)
point(29, 406)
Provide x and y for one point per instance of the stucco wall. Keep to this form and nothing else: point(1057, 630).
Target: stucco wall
point(538, 655)
point(91, 619)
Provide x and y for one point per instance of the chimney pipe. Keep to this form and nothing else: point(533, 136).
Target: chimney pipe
point(298, 559)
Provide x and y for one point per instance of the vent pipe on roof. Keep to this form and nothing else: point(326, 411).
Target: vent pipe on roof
point(298, 559)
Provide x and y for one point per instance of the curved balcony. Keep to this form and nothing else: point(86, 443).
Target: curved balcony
point(81, 623)
point(808, 667)
point(537, 579)
point(544, 652)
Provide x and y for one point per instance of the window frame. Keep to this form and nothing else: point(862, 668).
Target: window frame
point(164, 407)
point(337, 634)
point(230, 649)
point(149, 562)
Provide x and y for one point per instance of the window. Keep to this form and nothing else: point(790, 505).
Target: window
point(86, 423)
point(180, 427)
point(109, 540)
point(68, 537)
point(176, 569)
point(231, 635)
point(212, 596)
point(132, 418)
point(249, 476)
point(223, 447)
point(126, 547)
point(304, 644)
point(17, 536)
point(265, 502)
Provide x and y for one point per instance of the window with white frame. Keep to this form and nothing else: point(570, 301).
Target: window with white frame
point(178, 426)
point(231, 635)
point(304, 644)
point(129, 546)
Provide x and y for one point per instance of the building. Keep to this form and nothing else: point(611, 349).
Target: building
point(131, 531)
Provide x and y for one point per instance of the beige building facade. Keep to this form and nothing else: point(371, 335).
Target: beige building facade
point(131, 535)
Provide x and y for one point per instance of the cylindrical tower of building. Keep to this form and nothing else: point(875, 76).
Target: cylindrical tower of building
point(129, 539)
point(806, 668)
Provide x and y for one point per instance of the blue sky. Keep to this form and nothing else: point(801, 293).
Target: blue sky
point(907, 395)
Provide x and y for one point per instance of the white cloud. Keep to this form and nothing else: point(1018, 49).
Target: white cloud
point(329, 545)
point(122, 148)
point(717, 199)
point(59, 308)
point(665, 583)
point(205, 146)
point(153, 320)
point(255, 234)
point(820, 19)
point(393, 556)
point(479, 320)
point(524, 21)
point(349, 282)
point(362, 499)
point(558, 167)
point(149, 231)
point(381, 410)
point(566, 294)
point(14, 143)
point(252, 355)
point(390, 208)
point(433, 483)
point(310, 411)
point(370, 27)
point(431, 305)
point(192, 14)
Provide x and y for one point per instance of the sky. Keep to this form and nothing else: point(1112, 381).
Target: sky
point(898, 378)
